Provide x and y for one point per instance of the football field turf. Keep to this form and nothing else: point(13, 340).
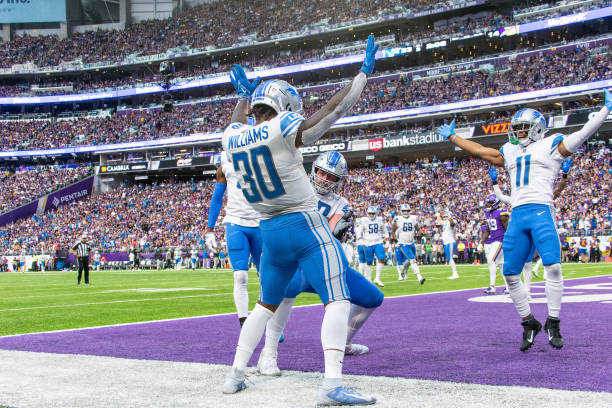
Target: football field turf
point(36, 302)
point(440, 345)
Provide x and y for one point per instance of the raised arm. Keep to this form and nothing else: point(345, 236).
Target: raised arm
point(313, 128)
point(498, 193)
point(493, 156)
point(565, 168)
point(244, 88)
point(216, 203)
point(572, 142)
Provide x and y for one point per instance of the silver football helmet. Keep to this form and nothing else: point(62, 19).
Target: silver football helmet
point(527, 120)
point(279, 95)
point(334, 165)
point(372, 212)
point(405, 210)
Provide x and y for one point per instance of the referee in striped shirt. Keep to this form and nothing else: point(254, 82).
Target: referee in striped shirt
point(82, 250)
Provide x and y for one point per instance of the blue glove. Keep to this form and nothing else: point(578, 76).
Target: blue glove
point(493, 174)
point(244, 88)
point(608, 99)
point(447, 131)
point(368, 63)
point(565, 166)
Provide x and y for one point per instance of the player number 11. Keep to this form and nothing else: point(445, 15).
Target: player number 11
point(519, 166)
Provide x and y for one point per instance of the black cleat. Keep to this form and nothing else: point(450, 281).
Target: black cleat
point(531, 328)
point(554, 334)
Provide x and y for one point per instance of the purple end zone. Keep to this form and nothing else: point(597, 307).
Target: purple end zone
point(442, 337)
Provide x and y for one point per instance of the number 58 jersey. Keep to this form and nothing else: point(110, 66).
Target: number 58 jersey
point(269, 166)
point(533, 170)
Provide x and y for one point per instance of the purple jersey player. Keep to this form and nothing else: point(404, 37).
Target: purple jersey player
point(492, 237)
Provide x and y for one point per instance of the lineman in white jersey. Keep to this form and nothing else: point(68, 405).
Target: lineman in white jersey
point(327, 175)
point(241, 232)
point(533, 163)
point(403, 230)
point(271, 176)
point(448, 240)
point(373, 230)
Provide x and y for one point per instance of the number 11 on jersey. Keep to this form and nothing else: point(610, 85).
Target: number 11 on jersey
point(519, 166)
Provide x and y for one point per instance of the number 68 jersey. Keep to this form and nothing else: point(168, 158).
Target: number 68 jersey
point(269, 166)
point(533, 170)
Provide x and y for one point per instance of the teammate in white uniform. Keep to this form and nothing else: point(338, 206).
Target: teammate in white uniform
point(448, 240)
point(241, 232)
point(403, 230)
point(271, 176)
point(373, 231)
point(327, 175)
point(533, 163)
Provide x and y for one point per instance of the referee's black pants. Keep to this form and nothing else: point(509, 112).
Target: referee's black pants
point(83, 266)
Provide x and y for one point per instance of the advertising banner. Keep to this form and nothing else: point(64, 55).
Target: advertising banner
point(491, 129)
point(24, 211)
point(73, 192)
point(316, 149)
point(32, 11)
point(122, 168)
point(177, 163)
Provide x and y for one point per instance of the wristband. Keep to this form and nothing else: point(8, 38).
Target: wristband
point(564, 175)
point(452, 138)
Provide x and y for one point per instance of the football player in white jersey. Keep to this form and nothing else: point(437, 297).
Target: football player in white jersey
point(327, 175)
point(268, 164)
point(360, 247)
point(403, 230)
point(241, 232)
point(533, 163)
point(374, 231)
point(448, 240)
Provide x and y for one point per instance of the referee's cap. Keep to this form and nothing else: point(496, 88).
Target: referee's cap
point(84, 236)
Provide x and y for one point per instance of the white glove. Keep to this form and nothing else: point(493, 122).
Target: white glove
point(211, 241)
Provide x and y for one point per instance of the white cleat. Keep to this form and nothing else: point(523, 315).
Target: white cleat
point(342, 396)
point(453, 277)
point(234, 381)
point(421, 281)
point(267, 365)
point(400, 278)
point(379, 283)
point(356, 349)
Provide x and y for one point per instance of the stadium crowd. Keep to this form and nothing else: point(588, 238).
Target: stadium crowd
point(25, 184)
point(28, 47)
point(173, 213)
point(521, 74)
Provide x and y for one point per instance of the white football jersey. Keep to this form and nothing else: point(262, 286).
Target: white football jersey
point(448, 232)
point(237, 209)
point(269, 166)
point(533, 170)
point(406, 228)
point(373, 231)
point(332, 204)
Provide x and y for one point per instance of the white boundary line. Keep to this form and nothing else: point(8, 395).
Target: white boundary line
point(232, 313)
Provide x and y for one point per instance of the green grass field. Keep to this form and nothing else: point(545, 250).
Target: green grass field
point(35, 302)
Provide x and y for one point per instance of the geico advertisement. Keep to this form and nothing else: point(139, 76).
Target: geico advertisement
point(323, 148)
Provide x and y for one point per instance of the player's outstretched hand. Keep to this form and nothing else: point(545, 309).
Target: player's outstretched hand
point(370, 56)
point(608, 99)
point(447, 131)
point(493, 174)
point(565, 166)
point(242, 85)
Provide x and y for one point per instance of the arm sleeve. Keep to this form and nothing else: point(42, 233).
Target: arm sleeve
point(501, 196)
point(314, 133)
point(216, 202)
point(576, 139)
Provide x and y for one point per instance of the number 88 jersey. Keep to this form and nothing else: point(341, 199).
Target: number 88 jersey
point(533, 170)
point(269, 166)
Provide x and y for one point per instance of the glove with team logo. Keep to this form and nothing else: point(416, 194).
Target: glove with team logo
point(446, 131)
point(493, 174)
point(370, 56)
point(343, 225)
point(608, 99)
point(211, 241)
point(244, 88)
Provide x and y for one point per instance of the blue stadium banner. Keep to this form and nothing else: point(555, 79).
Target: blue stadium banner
point(32, 11)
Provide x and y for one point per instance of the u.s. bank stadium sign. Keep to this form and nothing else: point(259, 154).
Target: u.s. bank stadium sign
point(398, 141)
point(342, 146)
